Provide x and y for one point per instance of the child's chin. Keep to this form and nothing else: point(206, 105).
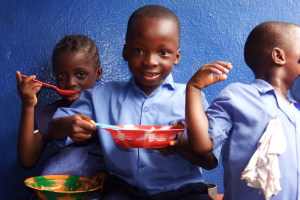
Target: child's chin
point(72, 98)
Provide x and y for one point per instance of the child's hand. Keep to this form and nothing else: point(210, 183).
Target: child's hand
point(27, 89)
point(180, 124)
point(99, 177)
point(174, 143)
point(205, 75)
point(80, 128)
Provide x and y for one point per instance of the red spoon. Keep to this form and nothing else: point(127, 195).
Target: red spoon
point(59, 91)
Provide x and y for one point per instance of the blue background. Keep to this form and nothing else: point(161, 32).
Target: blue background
point(211, 30)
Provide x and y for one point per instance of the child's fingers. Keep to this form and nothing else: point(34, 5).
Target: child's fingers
point(27, 82)
point(177, 139)
point(81, 137)
point(84, 123)
point(225, 68)
point(173, 142)
point(19, 78)
point(87, 127)
point(171, 148)
point(219, 78)
point(29, 89)
point(179, 124)
point(218, 67)
point(226, 65)
point(92, 122)
point(88, 121)
point(209, 74)
point(99, 177)
point(36, 88)
point(79, 129)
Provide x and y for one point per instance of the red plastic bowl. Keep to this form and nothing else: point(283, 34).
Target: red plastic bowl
point(137, 136)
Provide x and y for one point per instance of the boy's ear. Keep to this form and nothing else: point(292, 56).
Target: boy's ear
point(278, 56)
point(125, 52)
point(99, 73)
point(178, 57)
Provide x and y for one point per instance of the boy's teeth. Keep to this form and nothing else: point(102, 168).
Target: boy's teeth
point(149, 74)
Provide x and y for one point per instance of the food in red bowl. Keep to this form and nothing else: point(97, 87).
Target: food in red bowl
point(138, 136)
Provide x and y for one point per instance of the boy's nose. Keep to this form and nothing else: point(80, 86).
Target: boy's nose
point(71, 82)
point(151, 60)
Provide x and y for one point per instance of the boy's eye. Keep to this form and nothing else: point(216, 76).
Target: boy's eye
point(138, 51)
point(61, 75)
point(164, 52)
point(81, 74)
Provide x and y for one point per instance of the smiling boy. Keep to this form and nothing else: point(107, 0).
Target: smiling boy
point(150, 97)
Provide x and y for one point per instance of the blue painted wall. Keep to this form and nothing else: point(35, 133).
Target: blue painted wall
point(29, 29)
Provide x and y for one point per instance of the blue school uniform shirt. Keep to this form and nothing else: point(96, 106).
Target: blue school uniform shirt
point(297, 105)
point(81, 159)
point(124, 103)
point(238, 118)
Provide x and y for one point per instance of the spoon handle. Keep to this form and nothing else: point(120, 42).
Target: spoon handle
point(45, 84)
point(107, 126)
point(62, 92)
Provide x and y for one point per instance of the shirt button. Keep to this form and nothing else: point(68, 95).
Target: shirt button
point(141, 165)
point(145, 109)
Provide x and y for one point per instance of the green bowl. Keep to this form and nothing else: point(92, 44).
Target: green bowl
point(58, 187)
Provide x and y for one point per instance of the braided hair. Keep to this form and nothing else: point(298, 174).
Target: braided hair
point(77, 43)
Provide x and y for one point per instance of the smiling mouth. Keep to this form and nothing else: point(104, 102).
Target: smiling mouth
point(150, 74)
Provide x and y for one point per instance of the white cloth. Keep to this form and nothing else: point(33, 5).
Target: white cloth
point(263, 170)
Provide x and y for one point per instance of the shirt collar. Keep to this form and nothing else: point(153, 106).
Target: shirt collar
point(169, 82)
point(297, 105)
point(262, 86)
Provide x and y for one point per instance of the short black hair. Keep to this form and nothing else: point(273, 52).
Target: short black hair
point(77, 43)
point(152, 11)
point(263, 38)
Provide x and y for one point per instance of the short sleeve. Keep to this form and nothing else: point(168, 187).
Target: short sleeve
point(83, 105)
point(220, 123)
point(42, 116)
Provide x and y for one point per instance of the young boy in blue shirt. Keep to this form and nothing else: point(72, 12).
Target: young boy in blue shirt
point(238, 117)
point(150, 97)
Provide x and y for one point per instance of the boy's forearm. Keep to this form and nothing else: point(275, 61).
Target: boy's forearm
point(206, 160)
point(58, 128)
point(197, 122)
